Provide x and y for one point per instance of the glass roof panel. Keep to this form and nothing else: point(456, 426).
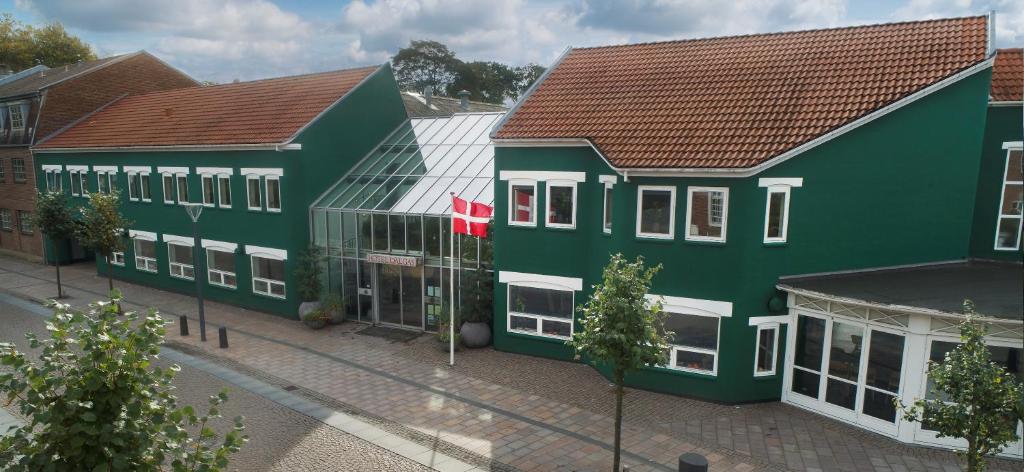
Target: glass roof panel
point(416, 167)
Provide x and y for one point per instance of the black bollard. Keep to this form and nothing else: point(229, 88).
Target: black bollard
point(691, 462)
point(222, 332)
point(183, 323)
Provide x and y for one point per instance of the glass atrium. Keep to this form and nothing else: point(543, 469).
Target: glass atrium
point(385, 227)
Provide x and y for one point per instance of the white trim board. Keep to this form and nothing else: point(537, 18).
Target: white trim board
point(138, 169)
point(52, 167)
point(179, 240)
point(214, 170)
point(172, 170)
point(763, 320)
point(780, 182)
point(269, 253)
point(541, 176)
point(692, 306)
point(77, 168)
point(261, 172)
point(143, 235)
point(609, 180)
point(104, 169)
point(219, 245)
point(1013, 145)
point(540, 280)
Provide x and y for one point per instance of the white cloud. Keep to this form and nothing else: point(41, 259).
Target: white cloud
point(1009, 15)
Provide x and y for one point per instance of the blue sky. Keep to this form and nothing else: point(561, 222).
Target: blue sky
point(221, 40)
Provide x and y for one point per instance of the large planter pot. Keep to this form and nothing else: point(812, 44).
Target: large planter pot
point(305, 308)
point(475, 335)
point(337, 316)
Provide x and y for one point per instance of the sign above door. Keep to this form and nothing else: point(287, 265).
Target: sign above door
point(405, 261)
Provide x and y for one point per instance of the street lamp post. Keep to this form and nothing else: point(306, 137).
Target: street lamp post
point(194, 210)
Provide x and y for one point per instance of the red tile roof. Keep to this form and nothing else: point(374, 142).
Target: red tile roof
point(735, 102)
point(259, 112)
point(1008, 76)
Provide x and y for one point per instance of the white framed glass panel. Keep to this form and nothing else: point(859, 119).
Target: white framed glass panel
point(18, 169)
point(607, 223)
point(776, 215)
point(145, 255)
point(117, 258)
point(168, 183)
point(1011, 203)
point(16, 117)
point(224, 191)
point(76, 184)
point(252, 188)
point(134, 182)
point(807, 359)
point(268, 276)
point(221, 268)
point(179, 259)
point(5, 219)
point(522, 203)
point(83, 182)
point(561, 202)
point(273, 186)
point(182, 181)
point(655, 209)
point(707, 213)
point(208, 190)
point(102, 183)
point(844, 358)
point(540, 311)
point(147, 193)
point(766, 349)
point(694, 347)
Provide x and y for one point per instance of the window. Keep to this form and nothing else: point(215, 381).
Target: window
point(25, 221)
point(117, 258)
point(5, 219)
point(145, 255)
point(656, 208)
point(179, 258)
point(1011, 203)
point(83, 181)
point(106, 181)
point(252, 185)
point(168, 188)
point(707, 213)
point(273, 186)
point(17, 117)
point(268, 276)
point(18, 169)
point(224, 184)
point(764, 358)
point(221, 268)
point(182, 181)
point(53, 181)
point(522, 203)
point(695, 344)
point(133, 186)
point(208, 190)
point(3, 172)
point(776, 214)
point(147, 193)
point(79, 183)
point(607, 209)
point(561, 201)
point(540, 311)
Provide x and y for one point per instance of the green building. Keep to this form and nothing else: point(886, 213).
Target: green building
point(811, 197)
point(255, 154)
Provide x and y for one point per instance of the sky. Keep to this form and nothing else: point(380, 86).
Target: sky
point(223, 40)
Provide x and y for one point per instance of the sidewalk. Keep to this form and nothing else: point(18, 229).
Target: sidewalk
point(499, 410)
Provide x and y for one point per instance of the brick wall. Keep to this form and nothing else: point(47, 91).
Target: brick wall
point(18, 196)
point(70, 100)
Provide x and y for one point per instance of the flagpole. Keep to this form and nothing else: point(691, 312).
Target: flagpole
point(451, 281)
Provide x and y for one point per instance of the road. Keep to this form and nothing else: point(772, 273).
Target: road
point(280, 439)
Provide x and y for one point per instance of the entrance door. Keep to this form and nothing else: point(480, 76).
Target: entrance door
point(412, 297)
point(366, 277)
point(389, 294)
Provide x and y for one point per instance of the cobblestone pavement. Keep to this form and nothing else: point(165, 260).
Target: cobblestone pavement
point(530, 413)
point(280, 439)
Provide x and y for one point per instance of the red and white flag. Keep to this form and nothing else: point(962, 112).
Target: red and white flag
point(470, 217)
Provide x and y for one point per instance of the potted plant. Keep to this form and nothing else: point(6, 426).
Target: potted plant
point(334, 306)
point(477, 307)
point(444, 328)
point(317, 318)
point(308, 275)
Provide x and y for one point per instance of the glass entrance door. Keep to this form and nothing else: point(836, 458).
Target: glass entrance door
point(412, 298)
point(389, 294)
point(366, 277)
point(398, 295)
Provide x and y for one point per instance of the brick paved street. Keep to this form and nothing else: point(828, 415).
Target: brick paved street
point(524, 412)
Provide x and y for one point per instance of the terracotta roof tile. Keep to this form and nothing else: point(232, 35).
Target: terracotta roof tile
point(259, 112)
point(735, 102)
point(1008, 76)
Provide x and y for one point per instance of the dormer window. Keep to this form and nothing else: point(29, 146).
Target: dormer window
point(17, 117)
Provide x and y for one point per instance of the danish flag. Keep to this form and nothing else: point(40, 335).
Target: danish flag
point(470, 217)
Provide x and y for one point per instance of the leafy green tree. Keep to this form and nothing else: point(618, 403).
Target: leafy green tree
point(975, 399)
point(486, 81)
point(525, 77)
point(621, 328)
point(96, 401)
point(53, 218)
point(23, 46)
point(102, 228)
point(309, 274)
point(424, 63)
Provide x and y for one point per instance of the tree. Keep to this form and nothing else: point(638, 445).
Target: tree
point(424, 63)
point(975, 399)
point(24, 46)
point(96, 400)
point(525, 77)
point(102, 228)
point(490, 82)
point(54, 219)
point(621, 328)
point(309, 274)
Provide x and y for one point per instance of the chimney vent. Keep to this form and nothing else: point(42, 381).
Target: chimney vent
point(428, 95)
point(464, 100)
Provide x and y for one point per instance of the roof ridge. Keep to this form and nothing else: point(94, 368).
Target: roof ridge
point(778, 33)
point(283, 77)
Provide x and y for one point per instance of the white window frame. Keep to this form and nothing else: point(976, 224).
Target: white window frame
point(181, 241)
point(545, 282)
point(784, 224)
point(512, 203)
point(117, 258)
point(675, 348)
point(134, 183)
point(221, 275)
point(220, 191)
point(266, 253)
point(203, 178)
point(75, 179)
point(725, 213)
point(165, 188)
point(775, 349)
point(79, 174)
point(21, 117)
point(266, 193)
point(547, 203)
point(672, 211)
point(248, 193)
point(1009, 147)
point(54, 180)
point(5, 219)
point(24, 170)
point(142, 263)
point(177, 188)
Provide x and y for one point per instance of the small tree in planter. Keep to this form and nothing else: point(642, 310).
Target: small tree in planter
point(621, 328)
point(308, 275)
point(102, 228)
point(334, 306)
point(443, 330)
point(54, 219)
point(978, 400)
point(477, 307)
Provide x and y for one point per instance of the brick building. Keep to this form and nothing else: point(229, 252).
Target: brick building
point(37, 102)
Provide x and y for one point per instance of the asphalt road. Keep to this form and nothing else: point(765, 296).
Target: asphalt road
point(280, 439)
